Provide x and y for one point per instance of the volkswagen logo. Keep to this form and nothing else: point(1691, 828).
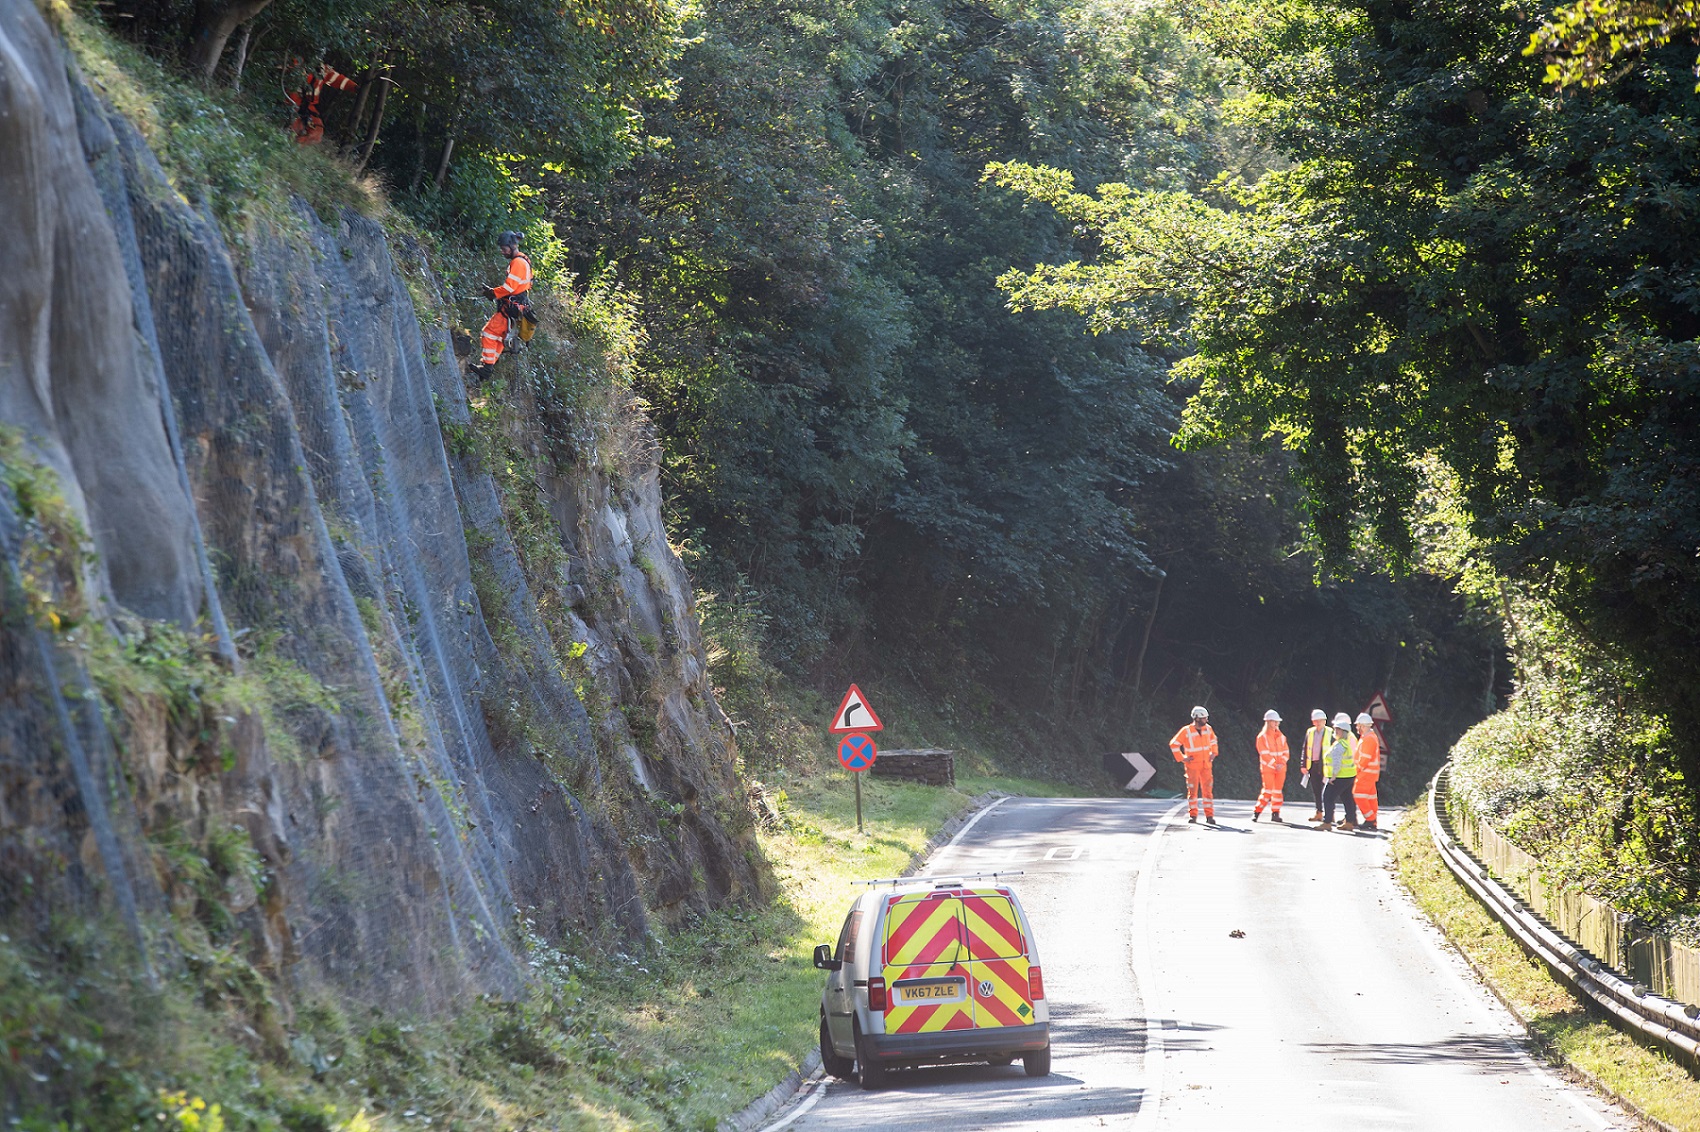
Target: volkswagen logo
point(986, 988)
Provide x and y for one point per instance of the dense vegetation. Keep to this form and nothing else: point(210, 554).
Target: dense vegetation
point(1466, 308)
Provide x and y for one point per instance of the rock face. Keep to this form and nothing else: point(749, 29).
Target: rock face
point(253, 445)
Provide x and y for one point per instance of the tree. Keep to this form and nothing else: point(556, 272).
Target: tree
point(1585, 42)
point(214, 23)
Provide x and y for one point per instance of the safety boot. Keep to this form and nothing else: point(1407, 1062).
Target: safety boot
point(1193, 820)
point(1316, 816)
point(1211, 818)
point(1276, 817)
point(1371, 826)
point(1349, 826)
point(1325, 825)
point(1255, 814)
point(478, 372)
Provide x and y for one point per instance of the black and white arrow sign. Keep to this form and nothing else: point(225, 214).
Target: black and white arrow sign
point(1121, 765)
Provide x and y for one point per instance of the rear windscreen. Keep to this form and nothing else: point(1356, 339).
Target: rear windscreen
point(994, 931)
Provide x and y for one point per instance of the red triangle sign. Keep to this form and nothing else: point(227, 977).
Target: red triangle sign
point(1378, 710)
point(854, 714)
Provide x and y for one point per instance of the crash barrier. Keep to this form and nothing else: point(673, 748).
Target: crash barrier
point(1630, 1005)
point(933, 766)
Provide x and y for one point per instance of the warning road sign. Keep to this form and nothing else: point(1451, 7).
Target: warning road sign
point(857, 752)
point(1377, 708)
point(854, 714)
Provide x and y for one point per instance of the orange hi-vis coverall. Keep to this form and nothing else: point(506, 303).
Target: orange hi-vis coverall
point(1272, 756)
point(308, 125)
point(1195, 750)
point(1369, 770)
point(518, 282)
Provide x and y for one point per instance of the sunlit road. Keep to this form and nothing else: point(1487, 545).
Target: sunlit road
point(1337, 1008)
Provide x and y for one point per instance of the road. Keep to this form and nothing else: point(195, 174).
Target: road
point(1338, 1007)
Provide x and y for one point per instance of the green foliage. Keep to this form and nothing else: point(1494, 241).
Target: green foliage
point(1586, 41)
point(1580, 772)
point(1449, 265)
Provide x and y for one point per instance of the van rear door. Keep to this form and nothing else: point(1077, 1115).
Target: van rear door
point(998, 961)
point(924, 961)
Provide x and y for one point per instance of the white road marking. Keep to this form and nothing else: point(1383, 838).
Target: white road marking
point(1151, 1096)
point(803, 1108)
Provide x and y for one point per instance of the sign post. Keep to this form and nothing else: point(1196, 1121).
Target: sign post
point(1378, 710)
point(856, 751)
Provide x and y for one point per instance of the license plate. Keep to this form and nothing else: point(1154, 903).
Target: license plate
point(932, 990)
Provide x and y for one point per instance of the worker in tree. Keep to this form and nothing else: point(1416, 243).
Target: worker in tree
point(1310, 760)
point(1194, 747)
point(1340, 765)
point(1369, 770)
point(513, 303)
point(1272, 756)
point(308, 125)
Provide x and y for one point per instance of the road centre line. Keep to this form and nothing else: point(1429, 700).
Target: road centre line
point(1151, 1096)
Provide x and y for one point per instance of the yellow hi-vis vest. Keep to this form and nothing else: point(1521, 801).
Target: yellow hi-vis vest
point(1343, 758)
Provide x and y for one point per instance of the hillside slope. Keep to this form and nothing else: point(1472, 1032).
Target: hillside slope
point(281, 673)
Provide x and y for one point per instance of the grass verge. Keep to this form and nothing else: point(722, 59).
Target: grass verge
point(1557, 1019)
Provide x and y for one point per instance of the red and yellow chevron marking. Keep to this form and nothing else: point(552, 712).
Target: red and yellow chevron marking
point(1008, 1004)
point(924, 928)
point(993, 932)
point(924, 940)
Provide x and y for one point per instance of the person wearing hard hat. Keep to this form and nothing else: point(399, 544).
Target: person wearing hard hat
point(1369, 770)
point(1194, 747)
point(1272, 756)
point(1341, 766)
point(1311, 758)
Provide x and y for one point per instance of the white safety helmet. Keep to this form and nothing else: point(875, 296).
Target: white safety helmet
point(1272, 716)
point(1200, 713)
point(1343, 720)
point(1365, 717)
point(1317, 715)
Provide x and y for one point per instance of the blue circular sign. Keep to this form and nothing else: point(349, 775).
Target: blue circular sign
point(857, 752)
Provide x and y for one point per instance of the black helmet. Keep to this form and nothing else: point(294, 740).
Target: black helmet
point(508, 240)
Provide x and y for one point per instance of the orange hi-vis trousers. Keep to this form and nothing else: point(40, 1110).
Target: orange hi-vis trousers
point(1271, 796)
point(495, 333)
point(1200, 783)
point(1363, 792)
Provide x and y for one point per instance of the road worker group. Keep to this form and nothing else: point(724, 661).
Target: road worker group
point(1340, 768)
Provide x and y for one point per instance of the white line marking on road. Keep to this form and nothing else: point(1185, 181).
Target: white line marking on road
point(1151, 1097)
point(802, 1108)
point(972, 822)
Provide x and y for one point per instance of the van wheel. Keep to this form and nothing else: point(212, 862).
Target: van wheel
point(872, 1072)
point(1037, 1063)
point(1001, 1059)
point(840, 1067)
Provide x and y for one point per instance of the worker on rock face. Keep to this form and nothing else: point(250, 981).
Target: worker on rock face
point(513, 302)
point(1369, 770)
point(1310, 760)
point(1272, 756)
point(308, 125)
point(1340, 767)
point(1194, 747)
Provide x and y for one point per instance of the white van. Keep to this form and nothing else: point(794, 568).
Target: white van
point(928, 971)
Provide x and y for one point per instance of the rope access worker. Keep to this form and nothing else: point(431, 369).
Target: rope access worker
point(1272, 755)
point(1369, 770)
point(1194, 747)
point(1342, 771)
point(1310, 760)
point(513, 303)
point(308, 125)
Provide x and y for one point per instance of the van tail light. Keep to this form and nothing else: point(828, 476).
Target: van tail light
point(876, 995)
point(1035, 984)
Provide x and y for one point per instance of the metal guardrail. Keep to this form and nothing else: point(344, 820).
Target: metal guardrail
point(1629, 1006)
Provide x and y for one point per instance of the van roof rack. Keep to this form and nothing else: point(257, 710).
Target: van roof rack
point(940, 881)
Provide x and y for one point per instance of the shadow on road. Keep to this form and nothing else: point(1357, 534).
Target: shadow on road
point(1498, 1055)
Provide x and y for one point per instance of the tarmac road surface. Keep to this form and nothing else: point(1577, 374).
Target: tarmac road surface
point(1339, 1007)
